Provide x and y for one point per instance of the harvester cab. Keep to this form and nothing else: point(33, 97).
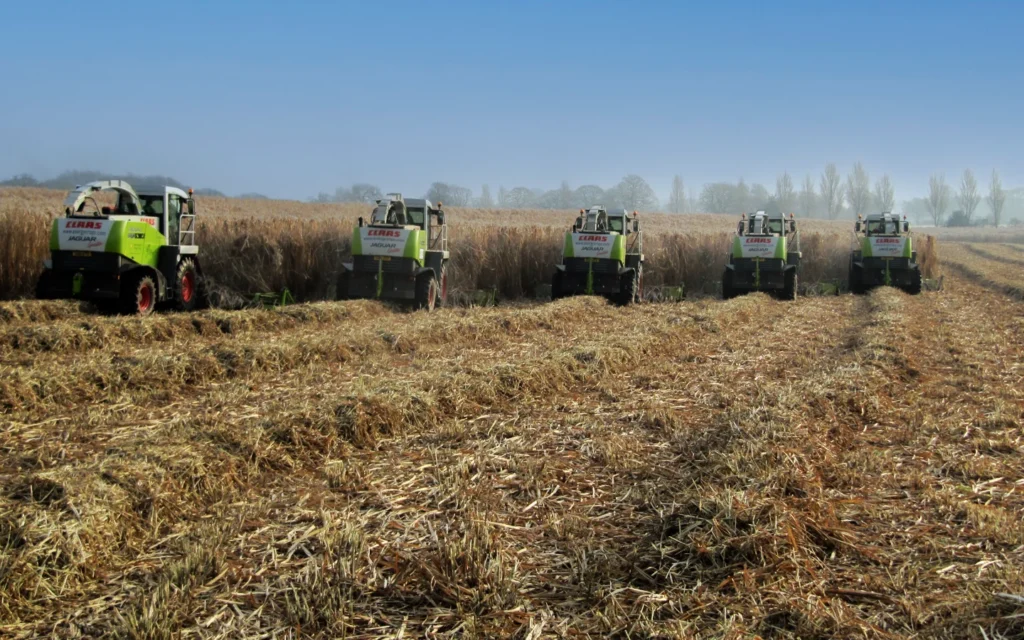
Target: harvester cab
point(765, 256)
point(401, 254)
point(132, 254)
point(884, 255)
point(602, 255)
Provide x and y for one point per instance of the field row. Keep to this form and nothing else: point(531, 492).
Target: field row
point(850, 468)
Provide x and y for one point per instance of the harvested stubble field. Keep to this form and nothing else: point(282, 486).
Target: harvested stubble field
point(255, 246)
point(835, 467)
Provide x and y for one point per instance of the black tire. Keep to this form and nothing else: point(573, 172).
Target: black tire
point(790, 287)
point(44, 285)
point(343, 285)
point(856, 279)
point(556, 286)
point(727, 289)
point(426, 291)
point(914, 287)
point(186, 286)
point(628, 287)
point(138, 294)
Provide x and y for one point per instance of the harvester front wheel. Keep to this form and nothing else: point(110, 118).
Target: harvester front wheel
point(789, 286)
point(138, 295)
point(44, 285)
point(186, 286)
point(727, 288)
point(342, 286)
point(630, 286)
point(914, 287)
point(426, 291)
point(856, 279)
point(556, 286)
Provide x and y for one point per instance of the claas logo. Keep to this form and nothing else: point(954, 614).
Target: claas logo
point(84, 224)
point(387, 233)
point(889, 240)
point(759, 240)
point(592, 238)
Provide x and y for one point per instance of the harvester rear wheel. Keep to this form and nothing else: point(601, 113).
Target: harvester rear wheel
point(426, 291)
point(186, 286)
point(138, 295)
point(789, 288)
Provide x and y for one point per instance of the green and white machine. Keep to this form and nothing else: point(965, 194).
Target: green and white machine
point(765, 257)
point(602, 255)
point(401, 255)
point(132, 257)
point(884, 255)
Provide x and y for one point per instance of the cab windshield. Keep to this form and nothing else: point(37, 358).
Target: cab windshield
point(415, 216)
point(615, 224)
point(881, 227)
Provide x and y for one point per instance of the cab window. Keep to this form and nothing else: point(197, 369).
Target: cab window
point(775, 226)
point(615, 224)
point(415, 216)
point(152, 205)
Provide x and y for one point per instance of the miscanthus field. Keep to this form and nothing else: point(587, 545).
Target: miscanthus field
point(835, 467)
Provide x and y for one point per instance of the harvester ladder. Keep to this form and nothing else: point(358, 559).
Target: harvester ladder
point(187, 230)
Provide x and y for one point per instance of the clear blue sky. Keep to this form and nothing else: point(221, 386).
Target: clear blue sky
point(290, 99)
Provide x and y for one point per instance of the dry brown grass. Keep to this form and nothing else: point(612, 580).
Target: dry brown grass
point(851, 469)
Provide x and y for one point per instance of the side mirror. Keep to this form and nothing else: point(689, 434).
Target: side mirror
point(191, 207)
point(440, 217)
point(636, 226)
point(360, 221)
point(739, 228)
point(857, 227)
point(906, 226)
point(792, 226)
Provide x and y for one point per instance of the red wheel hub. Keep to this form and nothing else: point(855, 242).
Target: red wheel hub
point(188, 286)
point(145, 297)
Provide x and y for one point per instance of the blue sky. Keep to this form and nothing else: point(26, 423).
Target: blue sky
point(289, 99)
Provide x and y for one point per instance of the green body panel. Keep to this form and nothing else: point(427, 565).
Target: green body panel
point(137, 241)
point(357, 242)
point(567, 252)
point(54, 237)
point(619, 249)
point(780, 249)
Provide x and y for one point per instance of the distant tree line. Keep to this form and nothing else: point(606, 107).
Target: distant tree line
point(70, 179)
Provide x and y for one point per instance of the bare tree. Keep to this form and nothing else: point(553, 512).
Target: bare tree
point(996, 197)
point(717, 197)
point(808, 198)
point(885, 194)
point(758, 197)
point(485, 201)
point(634, 193)
point(832, 190)
point(565, 196)
point(938, 198)
point(587, 196)
point(677, 197)
point(969, 197)
point(785, 195)
point(520, 198)
point(502, 196)
point(858, 189)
